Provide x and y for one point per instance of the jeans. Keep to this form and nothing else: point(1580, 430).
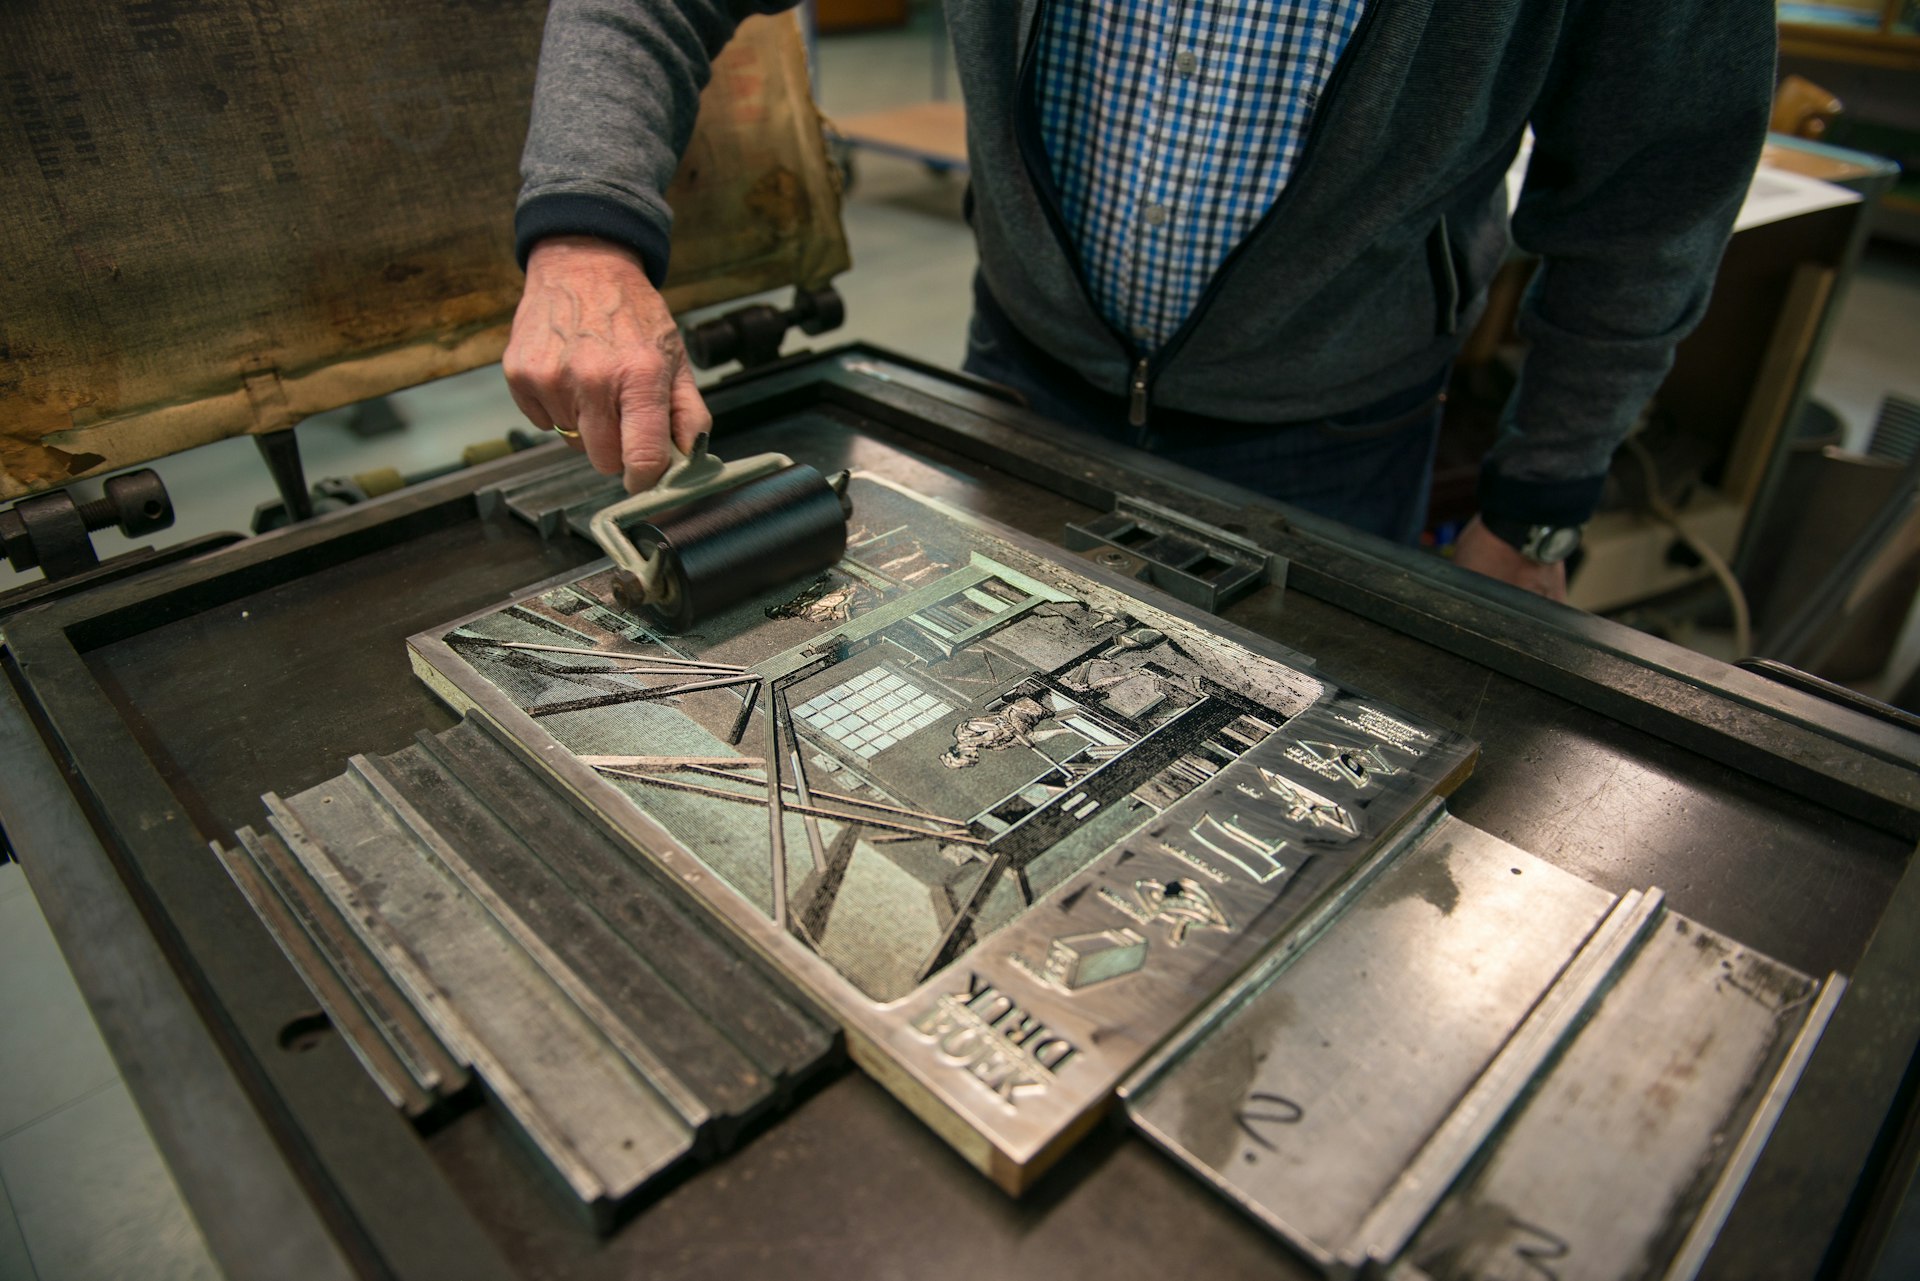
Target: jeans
point(1371, 468)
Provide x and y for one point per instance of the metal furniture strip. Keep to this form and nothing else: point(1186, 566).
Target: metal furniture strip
point(623, 979)
point(604, 1131)
point(1601, 1171)
point(411, 1040)
point(1406, 1205)
point(781, 1033)
point(633, 1047)
point(1713, 1215)
point(343, 1008)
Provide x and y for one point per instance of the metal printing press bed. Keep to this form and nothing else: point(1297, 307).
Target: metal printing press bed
point(1646, 969)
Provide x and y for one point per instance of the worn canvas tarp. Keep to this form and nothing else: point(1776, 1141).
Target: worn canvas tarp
point(225, 215)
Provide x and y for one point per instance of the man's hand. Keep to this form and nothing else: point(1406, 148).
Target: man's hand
point(1485, 552)
point(595, 351)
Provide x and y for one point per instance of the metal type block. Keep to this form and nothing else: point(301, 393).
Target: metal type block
point(1206, 567)
point(602, 1128)
point(1626, 1157)
point(759, 1013)
point(637, 1004)
point(1316, 1092)
point(398, 1050)
point(542, 498)
point(1002, 970)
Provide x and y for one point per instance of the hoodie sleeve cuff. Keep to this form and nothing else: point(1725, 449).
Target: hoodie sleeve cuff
point(571, 214)
point(1539, 502)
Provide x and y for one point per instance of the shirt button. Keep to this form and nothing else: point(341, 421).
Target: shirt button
point(1139, 331)
point(1155, 214)
point(1186, 62)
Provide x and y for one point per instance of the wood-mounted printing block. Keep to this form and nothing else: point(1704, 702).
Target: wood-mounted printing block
point(1046, 819)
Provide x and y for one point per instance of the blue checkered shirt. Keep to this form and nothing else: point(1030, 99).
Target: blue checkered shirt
point(1171, 127)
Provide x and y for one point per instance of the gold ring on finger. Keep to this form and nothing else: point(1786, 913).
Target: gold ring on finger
point(568, 432)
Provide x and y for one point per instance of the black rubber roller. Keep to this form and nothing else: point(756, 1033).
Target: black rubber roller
point(727, 547)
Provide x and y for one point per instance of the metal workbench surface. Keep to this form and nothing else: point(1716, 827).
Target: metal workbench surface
point(166, 704)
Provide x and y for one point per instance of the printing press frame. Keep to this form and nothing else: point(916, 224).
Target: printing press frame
point(143, 719)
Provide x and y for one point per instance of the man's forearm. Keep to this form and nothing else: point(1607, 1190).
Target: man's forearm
point(1646, 146)
point(613, 107)
point(594, 352)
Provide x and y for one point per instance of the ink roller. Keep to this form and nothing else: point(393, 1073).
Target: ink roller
point(712, 534)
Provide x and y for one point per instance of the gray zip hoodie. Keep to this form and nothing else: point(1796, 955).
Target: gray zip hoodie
point(1648, 117)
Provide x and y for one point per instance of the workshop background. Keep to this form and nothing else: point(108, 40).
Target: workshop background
point(83, 1194)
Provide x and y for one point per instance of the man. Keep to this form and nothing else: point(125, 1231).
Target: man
point(1245, 233)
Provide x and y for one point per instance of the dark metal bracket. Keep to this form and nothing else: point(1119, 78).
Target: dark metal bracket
point(54, 531)
point(752, 335)
point(1192, 561)
point(280, 450)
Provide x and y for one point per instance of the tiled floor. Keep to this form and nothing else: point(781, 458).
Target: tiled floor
point(82, 1193)
point(1871, 353)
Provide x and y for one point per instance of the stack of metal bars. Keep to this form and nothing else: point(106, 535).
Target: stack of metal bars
point(451, 889)
point(402, 1054)
point(556, 500)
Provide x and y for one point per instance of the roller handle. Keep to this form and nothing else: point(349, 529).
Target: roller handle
point(687, 470)
point(690, 476)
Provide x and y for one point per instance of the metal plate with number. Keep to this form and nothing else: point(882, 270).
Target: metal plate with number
point(1585, 1071)
point(1625, 1158)
point(1308, 1103)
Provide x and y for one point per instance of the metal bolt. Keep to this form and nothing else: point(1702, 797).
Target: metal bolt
point(99, 513)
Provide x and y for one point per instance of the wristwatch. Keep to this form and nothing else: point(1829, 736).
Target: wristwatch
point(1543, 544)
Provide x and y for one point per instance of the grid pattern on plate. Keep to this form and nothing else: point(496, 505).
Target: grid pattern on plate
point(873, 711)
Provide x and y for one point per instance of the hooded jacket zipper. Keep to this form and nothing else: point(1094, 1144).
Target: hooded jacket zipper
point(1146, 368)
point(1308, 150)
point(1138, 388)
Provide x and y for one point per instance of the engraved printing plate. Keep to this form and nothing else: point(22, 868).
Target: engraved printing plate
point(1024, 822)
